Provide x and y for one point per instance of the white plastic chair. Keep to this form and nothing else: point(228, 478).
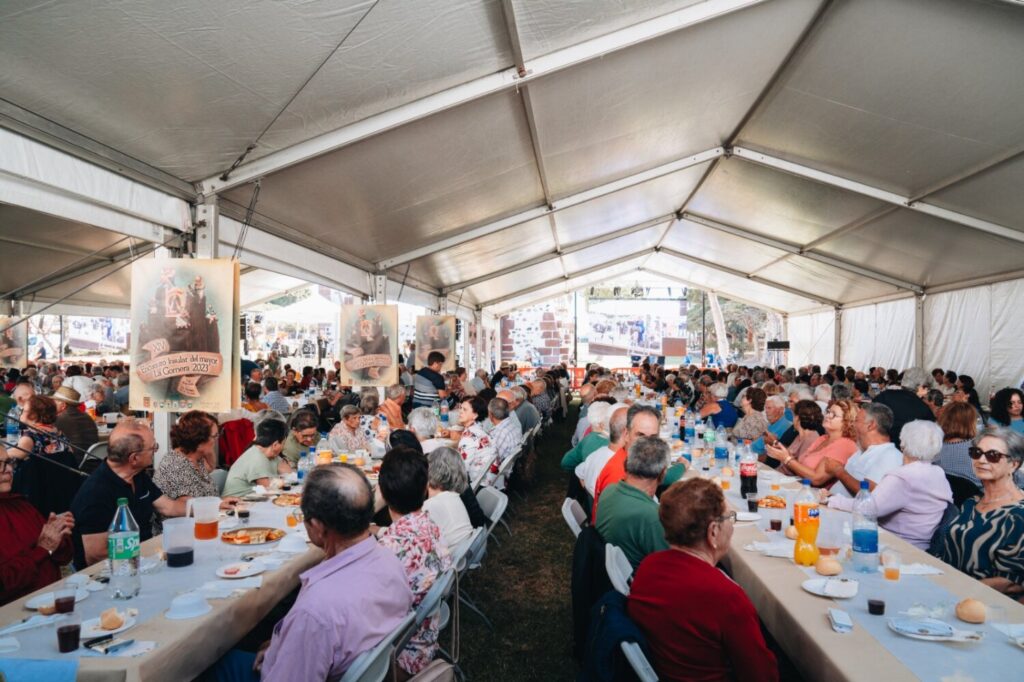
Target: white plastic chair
point(620, 571)
point(505, 469)
point(479, 480)
point(372, 665)
point(641, 666)
point(574, 515)
point(493, 503)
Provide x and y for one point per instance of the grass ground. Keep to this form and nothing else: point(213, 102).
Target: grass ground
point(523, 585)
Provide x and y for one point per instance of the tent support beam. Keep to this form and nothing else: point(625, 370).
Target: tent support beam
point(877, 193)
point(557, 253)
point(566, 278)
point(79, 271)
point(795, 250)
point(919, 330)
point(542, 211)
point(43, 130)
point(694, 285)
point(570, 286)
point(476, 89)
point(838, 328)
point(744, 275)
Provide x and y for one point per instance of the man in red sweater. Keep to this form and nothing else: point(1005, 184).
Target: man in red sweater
point(641, 420)
point(700, 625)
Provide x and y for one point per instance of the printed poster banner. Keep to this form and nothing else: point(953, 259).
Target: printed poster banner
point(369, 334)
point(13, 343)
point(184, 335)
point(436, 333)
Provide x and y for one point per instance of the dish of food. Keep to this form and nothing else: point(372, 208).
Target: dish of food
point(252, 536)
point(288, 500)
point(110, 622)
point(772, 502)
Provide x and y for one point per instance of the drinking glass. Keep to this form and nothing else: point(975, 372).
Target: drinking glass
point(69, 632)
point(751, 502)
point(64, 598)
point(891, 564)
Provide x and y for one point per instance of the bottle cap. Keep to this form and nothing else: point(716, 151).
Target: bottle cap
point(806, 481)
point(864, 485)
point(122, 500)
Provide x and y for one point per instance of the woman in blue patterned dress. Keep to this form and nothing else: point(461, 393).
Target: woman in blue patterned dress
point(987, 539)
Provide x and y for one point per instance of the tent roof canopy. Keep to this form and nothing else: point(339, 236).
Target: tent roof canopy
point(789, 153)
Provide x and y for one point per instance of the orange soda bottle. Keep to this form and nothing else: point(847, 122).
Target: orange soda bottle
point(805, 519)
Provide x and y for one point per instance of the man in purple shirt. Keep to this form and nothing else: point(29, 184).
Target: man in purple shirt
point(347, 604)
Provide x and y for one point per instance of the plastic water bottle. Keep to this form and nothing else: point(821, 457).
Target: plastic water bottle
point(12, 425)
point(444, 413)
point(721, 446)
point(321, 447)
point(689, 426)
point(865, 531)
point(709, 440)
point(437, 408)
point(123, 552)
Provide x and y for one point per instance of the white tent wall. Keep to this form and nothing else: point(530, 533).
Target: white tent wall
point(881, 334)
point(978, 332)
point(812, 338)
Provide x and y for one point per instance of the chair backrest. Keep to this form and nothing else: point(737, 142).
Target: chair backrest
point(493, 503)
point(962, 489)
point(641, 666)
point(476, 552)
point(478, 481)
point(461, 551)
point(219, 478)
point(574, 515)
point(97, 451)
point(372, 665)
point(438, 592)
point(509, 462)
point(948, 516)
point(620, 571)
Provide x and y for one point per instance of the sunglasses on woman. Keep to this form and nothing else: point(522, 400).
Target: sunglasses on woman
point(991, 456)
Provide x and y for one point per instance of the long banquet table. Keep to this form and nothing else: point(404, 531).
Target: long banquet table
point(185, 648)
point(799, 622)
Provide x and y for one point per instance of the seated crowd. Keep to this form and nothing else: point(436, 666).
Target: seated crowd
point(944, 474)
point(424, 503)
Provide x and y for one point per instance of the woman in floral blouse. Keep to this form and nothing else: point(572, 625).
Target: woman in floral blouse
point(416, 541)
point(475, 445)
point(347, 435)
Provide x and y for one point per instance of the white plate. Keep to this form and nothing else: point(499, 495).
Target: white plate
point(91, 627)
point(745, 516)
point(47, 598)
point(248, 569)
point(833, 588)
point(956, 636)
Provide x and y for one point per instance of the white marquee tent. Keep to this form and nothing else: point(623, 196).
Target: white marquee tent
point(853, 164)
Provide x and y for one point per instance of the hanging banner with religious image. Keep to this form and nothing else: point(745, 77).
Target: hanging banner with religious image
point(369, 336)
point(184, 340)
point(435, 333)
point(13, 343)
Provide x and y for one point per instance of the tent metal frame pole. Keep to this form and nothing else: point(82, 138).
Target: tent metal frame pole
point(796, 250)
point(693, 285)
point(744, 275)
point(486, 229)
point(566, 279)
point(557, 253)
point(919, 330)
point(838, 341)
point(877, 193)
point(467, 92)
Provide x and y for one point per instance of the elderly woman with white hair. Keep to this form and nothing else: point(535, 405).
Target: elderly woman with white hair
point(425, 424)
point(446, 481)
point(911, 498)
point(599, 414)
point(721, 411)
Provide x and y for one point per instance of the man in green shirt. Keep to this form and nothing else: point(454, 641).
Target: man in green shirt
point(628, 514)
point(597, 438)
point(303, 436)
point(259, 463)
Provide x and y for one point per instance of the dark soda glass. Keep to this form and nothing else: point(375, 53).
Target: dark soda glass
point(180, 556)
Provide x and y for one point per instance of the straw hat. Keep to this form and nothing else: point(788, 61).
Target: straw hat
point(68, 395)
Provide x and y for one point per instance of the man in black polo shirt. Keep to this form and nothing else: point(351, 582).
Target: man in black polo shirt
point(123, 474)
point(428, 385)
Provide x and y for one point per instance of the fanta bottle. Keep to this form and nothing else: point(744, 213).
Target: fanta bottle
point(805, 519)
